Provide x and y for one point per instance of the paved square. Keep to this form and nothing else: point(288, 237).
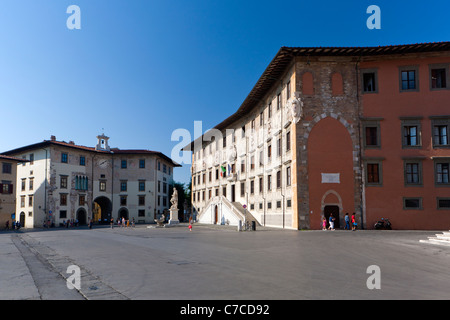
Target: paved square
point(216, 263)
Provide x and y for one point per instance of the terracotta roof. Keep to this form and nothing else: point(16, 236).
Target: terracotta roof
point(12, 158)
point(283, 58)
point(72, 145)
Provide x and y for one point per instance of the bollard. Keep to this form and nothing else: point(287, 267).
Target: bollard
point(239, 227)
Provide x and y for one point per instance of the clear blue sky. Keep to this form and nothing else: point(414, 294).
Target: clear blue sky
point(139, 69)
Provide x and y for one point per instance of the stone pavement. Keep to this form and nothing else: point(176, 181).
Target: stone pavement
point(217, 262)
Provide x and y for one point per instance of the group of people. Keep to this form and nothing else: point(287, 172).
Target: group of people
point(122, 222)
point(347, 220)
point(70, 223)
point(15, 225)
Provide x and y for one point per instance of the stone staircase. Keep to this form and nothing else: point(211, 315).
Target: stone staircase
point(441, 239)
point(246, 213)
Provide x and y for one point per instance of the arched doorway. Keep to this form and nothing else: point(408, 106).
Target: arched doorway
point(82, 217)
point(216, 214)
point(123, 213)
point(102, 210)
point(22, 219)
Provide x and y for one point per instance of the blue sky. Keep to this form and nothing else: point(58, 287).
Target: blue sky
point(137, 70)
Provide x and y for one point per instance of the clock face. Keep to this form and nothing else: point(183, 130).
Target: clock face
point(103, 163)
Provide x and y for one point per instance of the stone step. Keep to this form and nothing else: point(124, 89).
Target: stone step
point(436, 241)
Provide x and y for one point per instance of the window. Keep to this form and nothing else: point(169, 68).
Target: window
point(269, 152)
point(242, 189)
point(30, 201)
point(440, 135)
point(224, 143)
point(371, 136)
point(243, 132)
point(369, 81)
point(252, 186)
point(141, 185)
point(438, 76)
point(82, 160)
point(252, 163)
point(23, 184)
point(123, 164)
point(442, 173)
point(22, 201)
point(141, 213)
point(123, 200)
point(269, 110)
point(31, 159)
point(411, 134)
point(288, 176)
point(278, 147)
point(373, 173)
point(123, 186)
point(64, 157)
point(7, 168)
point(288, 141)
point(63, 182)
point(278, 179)
point(371, 131)
point(288, 203)
point(412, 203)
point(443, 203)
point(141, 200)
point(63, 199)
point(102, 185)
point(409, 78)
point(261, 184)
point(82, 200)
point(288, 90)
point(261, 119)
point(164, 168)
point(279, 101)
point(413, 173)
point(261, 158)
point(142, 163)
point(269, 182)
point(6, 187)
point(62, 214)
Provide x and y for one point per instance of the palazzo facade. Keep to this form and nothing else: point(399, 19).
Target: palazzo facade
point(333, 130)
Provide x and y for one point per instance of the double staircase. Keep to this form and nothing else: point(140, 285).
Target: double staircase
point(441, 239)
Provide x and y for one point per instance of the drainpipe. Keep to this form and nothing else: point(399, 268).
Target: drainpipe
point(47, 217)
point(358, 103)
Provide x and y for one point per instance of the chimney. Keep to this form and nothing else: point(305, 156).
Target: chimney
point(52, 138)
point(71, 142)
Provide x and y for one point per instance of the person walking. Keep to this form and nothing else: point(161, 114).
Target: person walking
point(324, 224)
point(347, 222)
point(112, 223)
point(354, 224)
point(331, 221)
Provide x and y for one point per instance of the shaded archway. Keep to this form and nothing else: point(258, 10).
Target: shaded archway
point(123, 213)
point(102, 210)
point(82, 216)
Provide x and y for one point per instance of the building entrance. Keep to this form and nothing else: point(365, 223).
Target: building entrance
point(332, 210)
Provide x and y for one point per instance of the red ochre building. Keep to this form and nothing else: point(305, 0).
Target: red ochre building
point(371, 138)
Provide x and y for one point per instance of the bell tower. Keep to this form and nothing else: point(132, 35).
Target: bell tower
point(102, 143)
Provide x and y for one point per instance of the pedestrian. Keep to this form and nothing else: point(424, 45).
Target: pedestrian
point(123, 222)
point(90, 223)
point(331, 221)
point(112, 223)
point(190, 227)
point(132, 222)
point(128, 223)
point(354, 224)
point(7, 225)
point(347, 222)
point(324, 224)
